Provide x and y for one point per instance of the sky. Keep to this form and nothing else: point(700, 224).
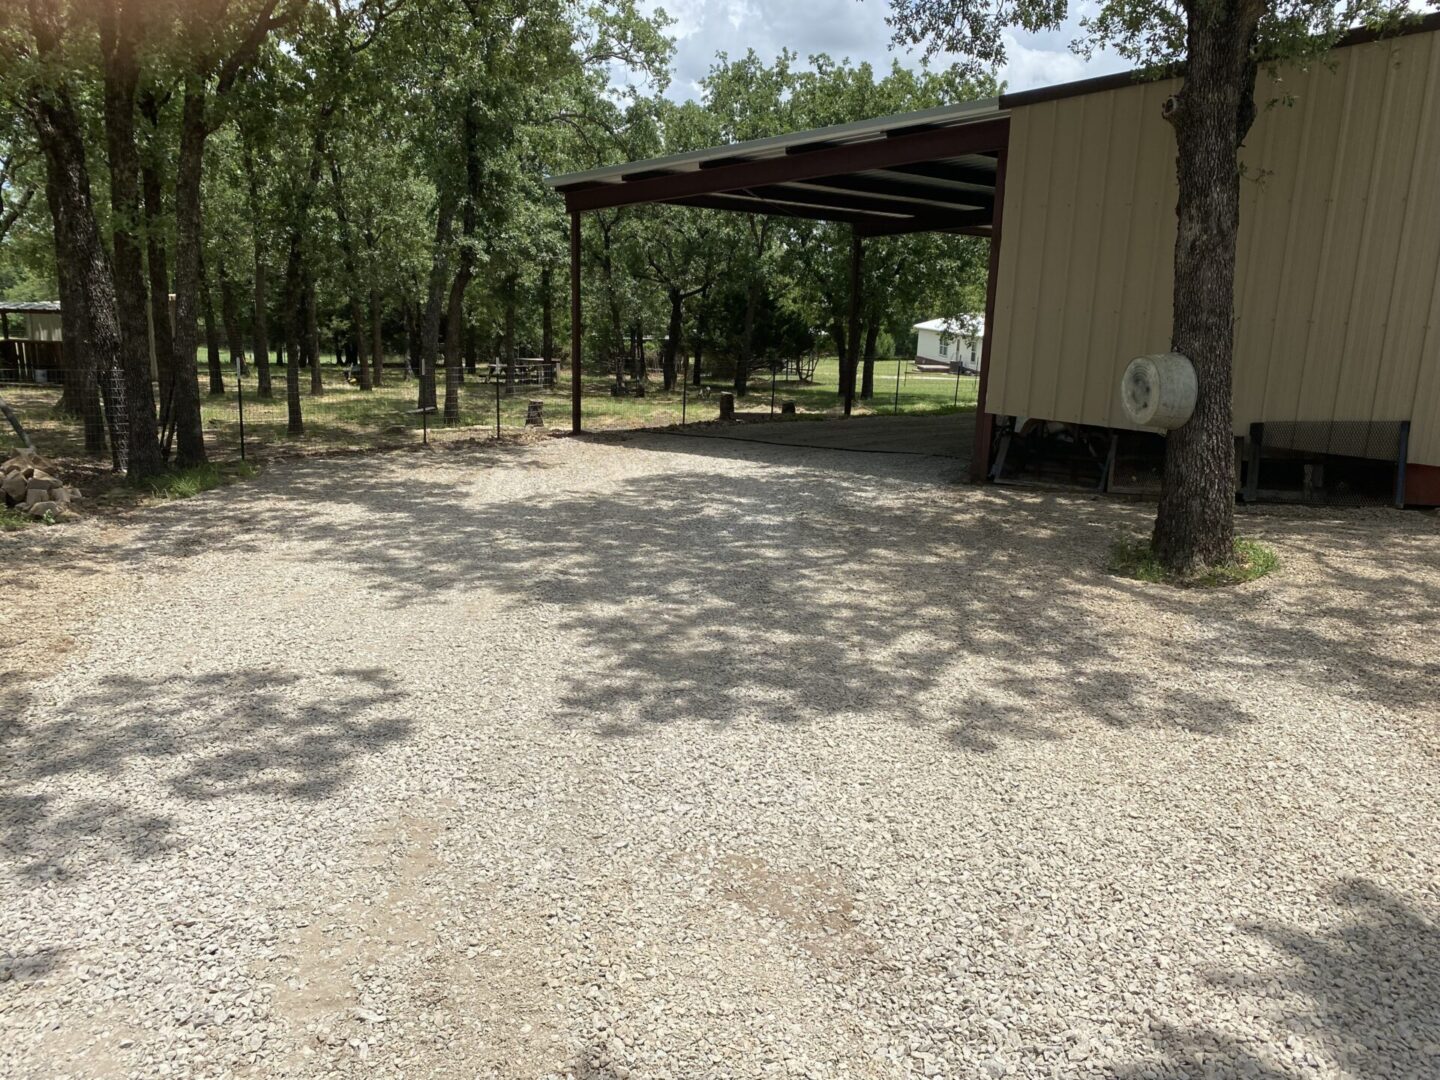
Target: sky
point(853, 28)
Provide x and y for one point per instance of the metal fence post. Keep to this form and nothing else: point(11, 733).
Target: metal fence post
point(684, 391)
point(772, 390)
point(896, 412)
point(956, 402)
point(497, 408)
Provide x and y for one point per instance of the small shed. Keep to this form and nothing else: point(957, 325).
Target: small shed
point(942, 344)
point(30, 341)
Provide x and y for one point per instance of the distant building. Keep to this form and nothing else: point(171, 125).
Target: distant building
point(947, 345)
point(30, 345)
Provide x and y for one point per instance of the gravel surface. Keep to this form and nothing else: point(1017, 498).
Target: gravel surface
point(655, 757)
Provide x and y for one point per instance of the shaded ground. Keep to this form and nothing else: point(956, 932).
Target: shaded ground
point(948, 435)
point(651, 756)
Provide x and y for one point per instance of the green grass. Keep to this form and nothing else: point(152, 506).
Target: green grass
point(185, 483)
point(1133, 558)
point(346, 416)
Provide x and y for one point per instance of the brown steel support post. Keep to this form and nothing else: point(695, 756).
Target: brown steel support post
point(851, 361)
point(575, 326)
point(984, 422)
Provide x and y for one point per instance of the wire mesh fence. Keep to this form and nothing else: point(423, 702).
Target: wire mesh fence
point(327, 409)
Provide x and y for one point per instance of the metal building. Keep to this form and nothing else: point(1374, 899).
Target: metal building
point(1338, 279)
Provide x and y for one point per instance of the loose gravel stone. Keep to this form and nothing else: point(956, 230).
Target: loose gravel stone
point(644, 757)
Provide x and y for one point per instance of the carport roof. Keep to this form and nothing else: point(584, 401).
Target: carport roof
point(928, 171)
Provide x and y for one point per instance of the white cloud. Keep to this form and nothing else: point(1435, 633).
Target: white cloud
point(843, 28)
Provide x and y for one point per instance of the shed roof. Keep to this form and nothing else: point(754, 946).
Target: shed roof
point(949, 326)
point(933, 170)
point(29, 307)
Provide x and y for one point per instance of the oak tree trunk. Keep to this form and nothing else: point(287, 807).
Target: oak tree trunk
point(1211, 114)
point(747, 336)
point(130, 399)
point(507, 341)
point(230, 317)
point(312, 337)
point(377, 345)
point(435, 300)
point(212, 332)
point(547, 316)
point(867, 378)
point(121, 78)
point(293, 298)
point(697, 378)
point(81, 394)
point(189, 431)
point(670, 361)
point(455, 336)
point(260, 339)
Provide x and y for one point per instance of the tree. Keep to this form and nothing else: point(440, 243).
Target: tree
point(1217, 46)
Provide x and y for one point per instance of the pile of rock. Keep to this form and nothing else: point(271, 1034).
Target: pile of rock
point(30, 485)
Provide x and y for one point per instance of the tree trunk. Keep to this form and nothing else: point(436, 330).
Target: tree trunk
point(230, 317)
point(352, 273)
point(669, 363)
point(547, 316)
point(507, 346)
point(81, 395)
point(455, 336)
point(60, 133)
point(312, 337)
point(472, 348)
point(1195, 524)
point(121, 77)
point(867, 379)
point(189, 431)
point(293, 293)
point(837, 332)
point(696, 376)
point(747, 336)
point(377, 345)
point(261, 336)
point(412, 340)
point(434, 300)
point(212, 331)
point(361, 363)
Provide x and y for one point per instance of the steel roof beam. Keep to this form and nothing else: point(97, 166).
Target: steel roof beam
point(724, 177)
point(929, 194)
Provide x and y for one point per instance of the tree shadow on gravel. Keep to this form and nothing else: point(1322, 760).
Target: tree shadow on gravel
point(812, 585)
point(197, 739)
point(1363, 995)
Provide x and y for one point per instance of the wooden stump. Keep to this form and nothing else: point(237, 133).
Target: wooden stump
point(727, 406)
point(534, 414)
point(787, 408)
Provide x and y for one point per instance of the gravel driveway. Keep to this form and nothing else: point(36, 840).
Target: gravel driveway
point(656, 757)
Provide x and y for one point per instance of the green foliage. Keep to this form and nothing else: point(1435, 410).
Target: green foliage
point(341, 138)
point(1133, 558)
point(11, 520)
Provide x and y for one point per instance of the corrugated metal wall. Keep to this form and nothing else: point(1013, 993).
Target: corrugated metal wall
point(1338, 279)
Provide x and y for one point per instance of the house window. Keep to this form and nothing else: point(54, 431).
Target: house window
point(944, 347)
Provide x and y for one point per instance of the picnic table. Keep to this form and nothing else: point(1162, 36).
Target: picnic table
point(530, 371)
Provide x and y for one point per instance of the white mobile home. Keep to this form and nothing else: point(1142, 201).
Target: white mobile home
point(942, 343)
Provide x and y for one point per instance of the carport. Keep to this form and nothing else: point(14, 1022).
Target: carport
point(938, 170)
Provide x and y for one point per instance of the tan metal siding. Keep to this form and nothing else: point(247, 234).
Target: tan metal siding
point(1337, 302)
